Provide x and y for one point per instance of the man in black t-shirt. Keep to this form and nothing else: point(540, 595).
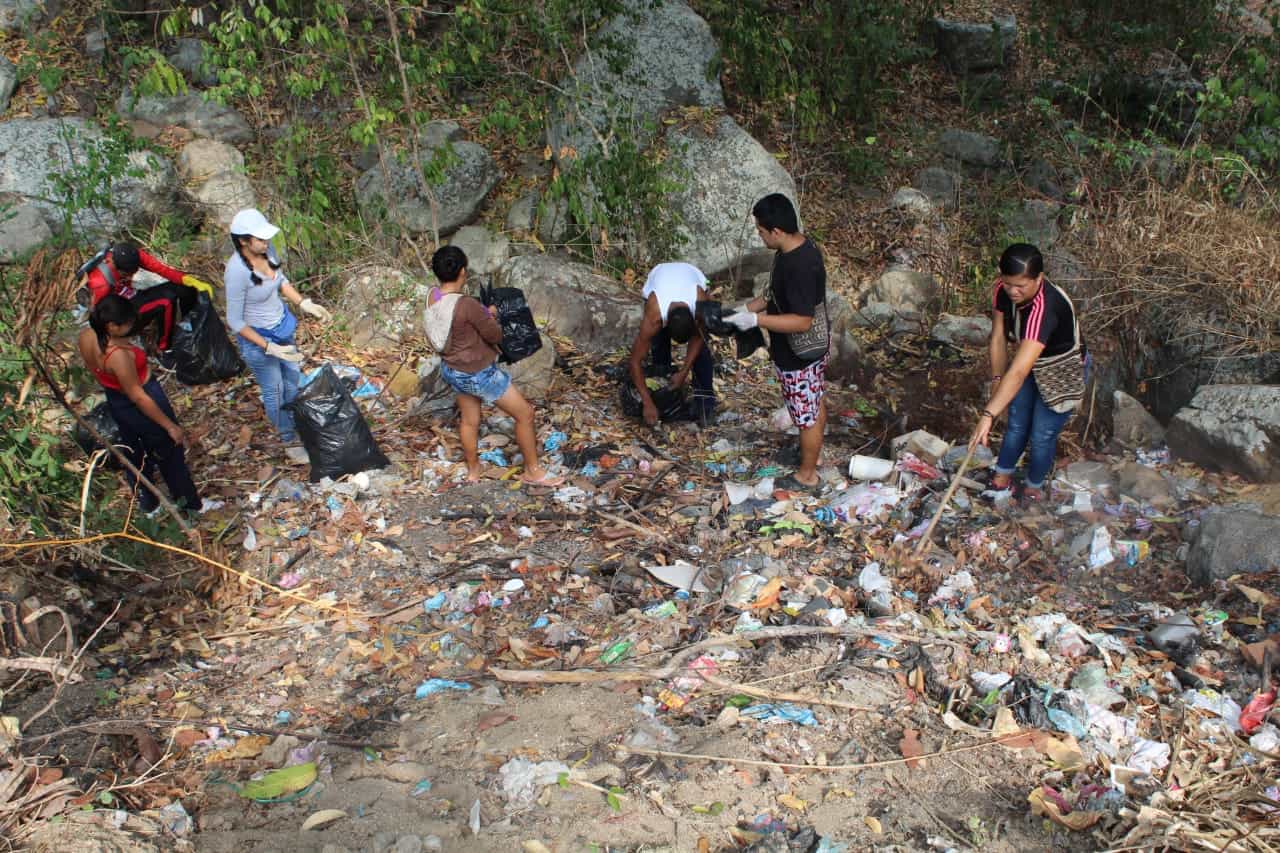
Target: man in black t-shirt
point(797, 290)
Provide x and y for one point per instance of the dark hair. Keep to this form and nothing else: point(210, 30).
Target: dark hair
point(112, 309)
point(680, 323)
point(776, 211)
point(448, 263)
point(125, 257)
point(1022, 259)
point(237, 241)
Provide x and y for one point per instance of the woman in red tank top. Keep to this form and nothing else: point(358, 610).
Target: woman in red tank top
point(148, 426)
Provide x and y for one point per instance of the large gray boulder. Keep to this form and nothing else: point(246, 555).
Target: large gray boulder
point(966, 46)
point(22, 230)
point(8, 82)
point(486, 252)
point(596, 314)
point(726, 172)
point(383, 305)
point(469, 173)
point(25, 16)
point(1132, 424)
point(1233, 428)
point(38, 156)
point(650, 58)
point(1231, 540)
point(214, 180)
point(907, 289)
point(961, 331)
point(535, 375)
point(971, 149)
point(190, 111)
point(1035, 221)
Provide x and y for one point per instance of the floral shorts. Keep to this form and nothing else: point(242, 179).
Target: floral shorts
point(802, 391)
point(488, 384)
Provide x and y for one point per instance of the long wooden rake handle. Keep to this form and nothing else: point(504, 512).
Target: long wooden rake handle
point(946, 499)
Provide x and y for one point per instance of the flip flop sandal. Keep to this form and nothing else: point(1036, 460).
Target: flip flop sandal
point(789, 483)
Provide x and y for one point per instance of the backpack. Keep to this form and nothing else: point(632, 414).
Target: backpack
point(97, 262)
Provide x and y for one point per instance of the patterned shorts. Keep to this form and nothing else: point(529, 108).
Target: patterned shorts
point(802, 391)
point(488, 384)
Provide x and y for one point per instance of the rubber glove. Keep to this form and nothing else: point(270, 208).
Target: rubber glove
point(284, 353)
point(318, 311)
point(743, 320)
point(196, 284)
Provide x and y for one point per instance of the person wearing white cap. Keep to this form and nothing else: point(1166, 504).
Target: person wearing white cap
point(257, 314)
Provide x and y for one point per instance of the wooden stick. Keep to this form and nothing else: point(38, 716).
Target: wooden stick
point(865, 765)
point(946, 499)
point(53, 666)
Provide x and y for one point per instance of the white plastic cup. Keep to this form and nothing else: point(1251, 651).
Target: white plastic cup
point(869, 468)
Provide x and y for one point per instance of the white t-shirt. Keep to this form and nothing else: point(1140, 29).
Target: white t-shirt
point(674, 282)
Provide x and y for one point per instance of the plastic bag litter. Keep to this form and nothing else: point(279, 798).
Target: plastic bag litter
point(1218, 704)
point(784, 712)
point(1266, 738)
point(985, 682)
point(99, 418)
point(202, 351)
point(1025, 698)
point(1100, 553)
point(866, 500)
point(1148, 756)
point(333, 429)
point(672, 403)
point(520, 335)
point(872, 581)
point(739, 492)
point(954, 588)
point(522, 779)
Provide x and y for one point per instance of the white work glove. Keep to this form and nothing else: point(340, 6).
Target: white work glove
point(284, 353)
point(318, 311)
point(743, 320)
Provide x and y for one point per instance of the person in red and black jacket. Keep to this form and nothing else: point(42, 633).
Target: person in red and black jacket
point(163, 304)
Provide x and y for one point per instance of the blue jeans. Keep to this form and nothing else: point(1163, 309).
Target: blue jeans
point(703, 402)
point(1033, 427)
point(277, 379)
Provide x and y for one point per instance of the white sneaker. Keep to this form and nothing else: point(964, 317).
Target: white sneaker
point(155, 512)
point(297, 453)
point(207, 505)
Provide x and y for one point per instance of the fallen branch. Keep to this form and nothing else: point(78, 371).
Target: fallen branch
point(53, 666)
point(624, 751)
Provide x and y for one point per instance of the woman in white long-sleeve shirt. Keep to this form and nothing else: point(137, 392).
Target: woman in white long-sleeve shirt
point(265, 327)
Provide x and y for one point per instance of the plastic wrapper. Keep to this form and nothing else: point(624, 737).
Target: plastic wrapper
point(520, 336)
point(333, 429)
point(101, 420)
point(202, 351)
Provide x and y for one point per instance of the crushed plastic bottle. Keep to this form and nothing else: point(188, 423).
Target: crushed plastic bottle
point(1100, 553)
point(617, 651)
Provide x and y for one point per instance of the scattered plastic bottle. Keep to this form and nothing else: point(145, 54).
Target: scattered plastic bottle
point(618, 651)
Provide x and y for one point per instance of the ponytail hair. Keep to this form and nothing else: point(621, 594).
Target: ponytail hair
point(112, 309)
point(1022, 259)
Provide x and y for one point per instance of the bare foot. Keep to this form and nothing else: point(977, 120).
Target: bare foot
point(540, 477)
point(473, 475)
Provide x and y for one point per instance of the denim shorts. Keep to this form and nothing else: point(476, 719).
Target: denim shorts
point(488, 384)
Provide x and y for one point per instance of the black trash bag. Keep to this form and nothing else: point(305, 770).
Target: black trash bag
point(333, 429)
point(1025, 698)
point(749, 341)
point(101, 420)
point(711, 315)
point(202, 351)
point(672, 403)
point(520, 337)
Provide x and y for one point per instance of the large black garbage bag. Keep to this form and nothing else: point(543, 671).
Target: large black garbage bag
point(101, 420)
point(520, 337)
point(672, 403)
point(202, 351)
point(749, 341)
point(333, 429)
point(712, 315)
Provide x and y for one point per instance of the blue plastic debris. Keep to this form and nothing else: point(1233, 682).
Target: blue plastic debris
point(591, 469)
point(283, 718)
point(541, 622)
point(495, 457)
point(824, 515)
point(438, 685)
point(554, 441)
point(434, 603)
point(423, 786)
point(781, 711)
point(333, 504)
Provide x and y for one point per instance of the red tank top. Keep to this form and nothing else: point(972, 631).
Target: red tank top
point(108, 379)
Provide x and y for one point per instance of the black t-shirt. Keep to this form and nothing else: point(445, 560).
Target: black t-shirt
point(1049, 317)
point(798, 285)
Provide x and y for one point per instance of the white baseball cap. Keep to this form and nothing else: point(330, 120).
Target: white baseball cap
point(251, 222)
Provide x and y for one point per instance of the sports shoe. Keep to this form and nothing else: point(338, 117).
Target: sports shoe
point(154, 512)
point(207, 505)
point(297, 453)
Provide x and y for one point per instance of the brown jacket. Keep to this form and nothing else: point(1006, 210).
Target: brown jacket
point(473, 337)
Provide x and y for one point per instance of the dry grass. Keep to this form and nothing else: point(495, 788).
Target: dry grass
point(1175, 264)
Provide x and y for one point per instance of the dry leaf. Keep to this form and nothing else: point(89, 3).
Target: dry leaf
point(493, 719)
point(768, 594)
point(246, 747)
point(1257, 596)
point(792, 802)
point(910, 747)
point(1075, 821)
point(873, 825)
point(324, 817)
point(1065, 753)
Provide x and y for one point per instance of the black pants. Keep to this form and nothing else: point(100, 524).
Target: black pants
point(703, 404)
point(163, 305)
point(150, 448)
